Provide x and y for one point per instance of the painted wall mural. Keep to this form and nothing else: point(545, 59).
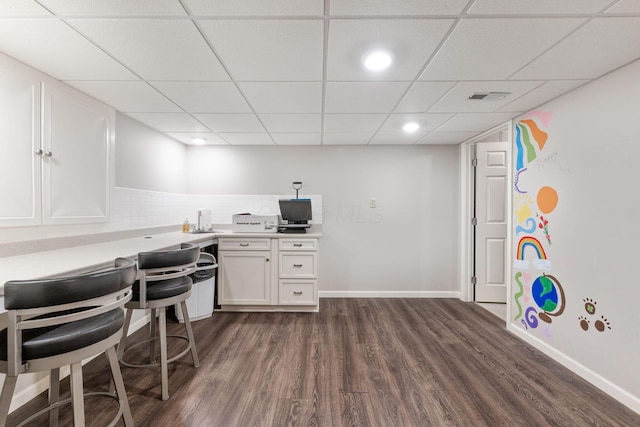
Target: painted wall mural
point(540, 296)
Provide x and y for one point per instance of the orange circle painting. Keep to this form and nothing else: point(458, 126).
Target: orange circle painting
point(547, 199)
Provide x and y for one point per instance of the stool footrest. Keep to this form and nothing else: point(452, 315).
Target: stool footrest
point(156, 364)
point(56, 405)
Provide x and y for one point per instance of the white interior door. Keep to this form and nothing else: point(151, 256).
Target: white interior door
point(491, 218)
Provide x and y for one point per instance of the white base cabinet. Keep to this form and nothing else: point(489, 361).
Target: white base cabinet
point(268, 274)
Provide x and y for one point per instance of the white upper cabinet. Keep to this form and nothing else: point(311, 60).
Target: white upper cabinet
point(56, 143)
point(19, 140)
point(75, 162)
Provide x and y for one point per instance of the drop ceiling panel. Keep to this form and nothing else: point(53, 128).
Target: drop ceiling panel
point(187, 137)
point(155, 49)
point(297, 138)
point(52, 46)
point(170, 122)
point(540, 95)
point(115, 7)
point(205, 97)
point(256, 8)
point(231, 122)
point(363, 97)
point(517, 7)
point(573, 58)
point(268, 50)
point(457, 100)
point(346, 138)
point(409, 41)
point(305, 123)
point(422, 96)
point(289, 71)
point(439, 138)
point(493, 49)
point(367, 123)
point(247, 138)
point(397, 7)
point(474, 122)
point(280, 97)
point(127, 97)
point(21, 8)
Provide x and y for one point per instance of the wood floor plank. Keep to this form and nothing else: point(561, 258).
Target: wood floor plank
point(358, 362)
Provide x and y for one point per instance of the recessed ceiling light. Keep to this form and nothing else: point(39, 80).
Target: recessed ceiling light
point(410, 127)
point(198, 141)
point(377, 60)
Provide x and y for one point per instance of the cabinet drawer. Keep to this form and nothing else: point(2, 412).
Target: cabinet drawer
point(298, 244)
point(298, 292)
point(244, 244)
point(298, 265)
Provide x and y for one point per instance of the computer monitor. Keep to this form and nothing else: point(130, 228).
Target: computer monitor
point(296, 211)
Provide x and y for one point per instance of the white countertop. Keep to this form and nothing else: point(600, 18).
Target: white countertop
point(73, 260)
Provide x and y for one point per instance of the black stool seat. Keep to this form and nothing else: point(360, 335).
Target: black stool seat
point(164, 289)
point(54, 340)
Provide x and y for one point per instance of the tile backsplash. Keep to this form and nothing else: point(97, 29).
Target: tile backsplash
point(140, 208)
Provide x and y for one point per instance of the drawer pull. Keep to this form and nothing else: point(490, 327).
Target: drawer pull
point(297, 292)
point(297, 245)
point(297, 265)
point(244, 245)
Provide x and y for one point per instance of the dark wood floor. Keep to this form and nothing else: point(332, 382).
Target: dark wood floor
point(360, 362)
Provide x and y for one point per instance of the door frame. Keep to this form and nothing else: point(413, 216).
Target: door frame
point(466, 253)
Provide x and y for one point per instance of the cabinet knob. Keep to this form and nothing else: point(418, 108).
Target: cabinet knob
point(244, 245)
point(39, 152)
point(297, 292)
point(48, 154)
point(267, 259)
point(297, 265)
point(297, 245)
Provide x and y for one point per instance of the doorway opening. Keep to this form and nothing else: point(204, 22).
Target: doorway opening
point(486, 219)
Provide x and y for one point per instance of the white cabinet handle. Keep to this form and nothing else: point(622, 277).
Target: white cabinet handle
point(297, 292)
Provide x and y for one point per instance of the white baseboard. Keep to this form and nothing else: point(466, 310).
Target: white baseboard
point(32, 390)
point(389, 294)
point(597, 380)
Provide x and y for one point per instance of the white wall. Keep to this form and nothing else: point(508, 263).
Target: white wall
point(590, 160)
point(147, 159)
point(404, 246)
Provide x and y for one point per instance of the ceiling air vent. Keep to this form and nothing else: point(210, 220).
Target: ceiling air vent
point(489, 96)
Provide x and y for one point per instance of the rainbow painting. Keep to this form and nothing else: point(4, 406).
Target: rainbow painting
point(530, 241)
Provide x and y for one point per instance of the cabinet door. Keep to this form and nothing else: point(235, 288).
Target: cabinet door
point(76, 163)
point(245, 278)
point(19, 141)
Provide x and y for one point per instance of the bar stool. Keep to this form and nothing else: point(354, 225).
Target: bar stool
point(51, 323)
point(163, 282)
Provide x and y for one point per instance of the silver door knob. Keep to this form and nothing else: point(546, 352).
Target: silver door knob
point(39, 152)
point(48, 154)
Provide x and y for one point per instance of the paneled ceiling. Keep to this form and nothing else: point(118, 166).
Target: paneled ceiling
point(289, 72)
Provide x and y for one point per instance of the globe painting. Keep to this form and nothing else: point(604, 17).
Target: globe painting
point(545, 294)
